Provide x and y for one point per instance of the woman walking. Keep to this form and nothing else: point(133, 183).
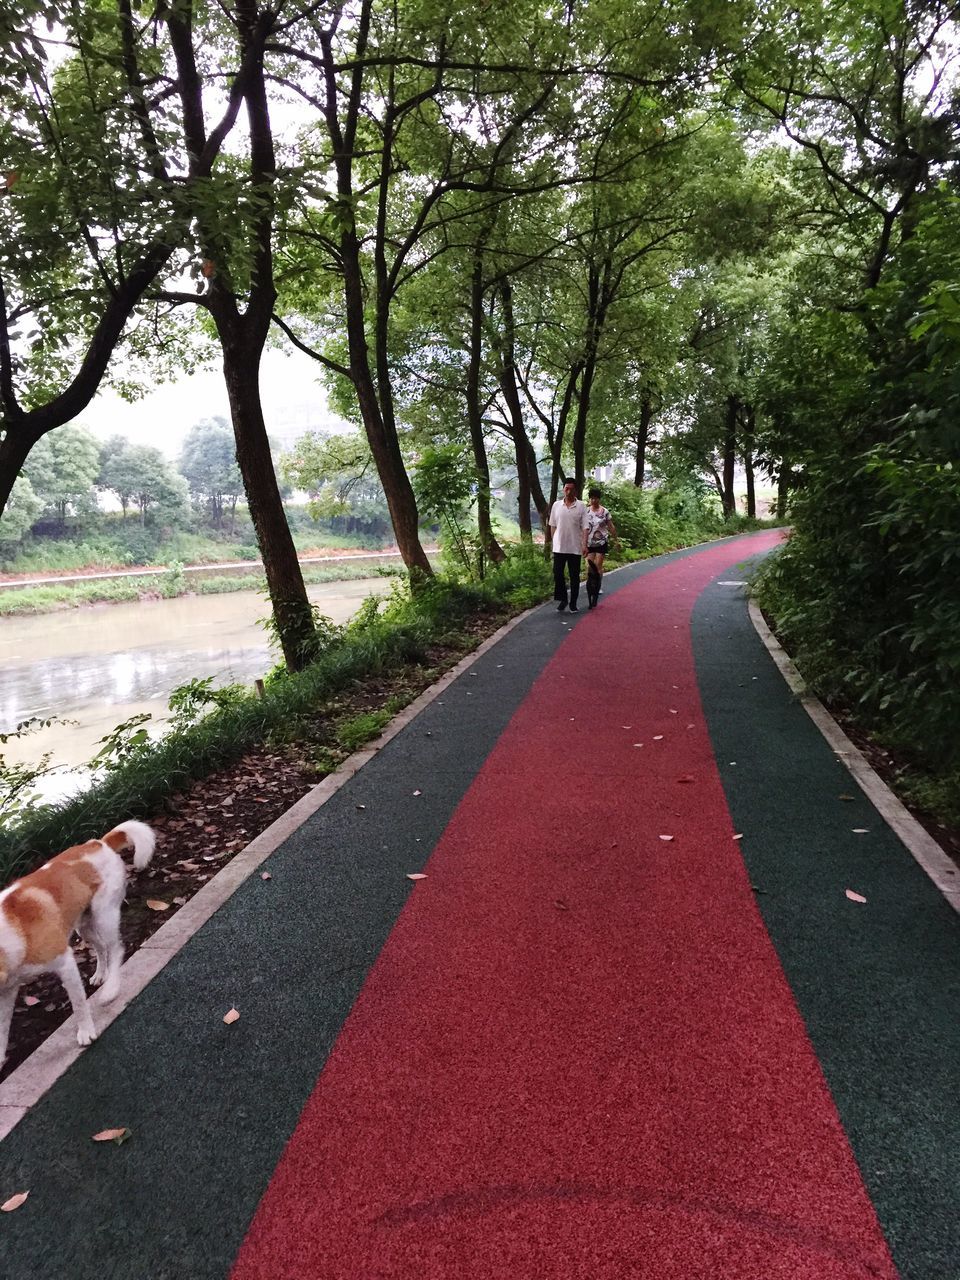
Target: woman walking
point(600, 530)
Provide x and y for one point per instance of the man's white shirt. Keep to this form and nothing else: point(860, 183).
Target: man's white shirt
point(568, 524)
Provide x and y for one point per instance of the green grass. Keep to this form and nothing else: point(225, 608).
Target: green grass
point(16, 601)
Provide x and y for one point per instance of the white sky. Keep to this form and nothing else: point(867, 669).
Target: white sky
point(293, 402)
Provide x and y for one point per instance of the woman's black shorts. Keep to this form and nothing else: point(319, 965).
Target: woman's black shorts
point(598, 548)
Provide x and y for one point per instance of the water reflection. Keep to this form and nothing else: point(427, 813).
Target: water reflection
point(100, 666)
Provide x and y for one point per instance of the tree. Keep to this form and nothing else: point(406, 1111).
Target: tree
point(140, 173)
point(63, 470)
point(208, 461)
point(338, 473)
point(83, 233)
point(142, 475)
point(22, 509)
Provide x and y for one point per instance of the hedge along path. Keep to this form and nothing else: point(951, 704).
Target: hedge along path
point(577, 1053)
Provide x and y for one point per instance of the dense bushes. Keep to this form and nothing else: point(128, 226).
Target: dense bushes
point(869, 605)
point(650, 522)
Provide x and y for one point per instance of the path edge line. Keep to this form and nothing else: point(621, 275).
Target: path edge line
point(24, 1087)
point(921, 845)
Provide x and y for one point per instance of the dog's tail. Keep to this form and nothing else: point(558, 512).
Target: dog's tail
point(135, 835)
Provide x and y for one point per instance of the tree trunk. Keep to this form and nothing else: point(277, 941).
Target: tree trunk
point(749, 420)
point(729, 498)
point(556, 444)
point(783, 488)
point(527, 473)
point(384, 444)
point(288, 594)
point(523, 494)
point(15, 448)
point(580, 427)
point(488, 543)
point(643, 436)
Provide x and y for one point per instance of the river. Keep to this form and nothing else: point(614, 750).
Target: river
point(98, 666)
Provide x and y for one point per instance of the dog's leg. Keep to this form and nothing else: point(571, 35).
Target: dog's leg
point(104, 915)
point(65, 967)
point(8, 998)
point(91, 935)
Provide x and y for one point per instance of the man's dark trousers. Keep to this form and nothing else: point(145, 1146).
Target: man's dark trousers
point(561, 561)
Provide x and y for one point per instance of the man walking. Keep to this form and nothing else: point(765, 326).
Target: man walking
point(568, 528)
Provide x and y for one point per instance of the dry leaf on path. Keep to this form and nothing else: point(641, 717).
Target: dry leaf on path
point(232, 1016)
point(860, 831)
point(855, 897)
point(14, 1202)
point(685, 777)
point(418, 793)
point(666, 837)
point(156, 905)
point(416, 875)
point(658, 737)
point(265, 875)
point(112, 1135)
point(738, 836)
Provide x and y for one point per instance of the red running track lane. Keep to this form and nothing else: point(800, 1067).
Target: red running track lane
point(577, 1054)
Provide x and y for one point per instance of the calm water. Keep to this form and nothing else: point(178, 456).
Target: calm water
point(100, 666)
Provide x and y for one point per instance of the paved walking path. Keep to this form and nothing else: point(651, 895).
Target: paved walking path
point(577, 1048)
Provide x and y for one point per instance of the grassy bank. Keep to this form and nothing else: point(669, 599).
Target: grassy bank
point(107, 541)
point(16, 601)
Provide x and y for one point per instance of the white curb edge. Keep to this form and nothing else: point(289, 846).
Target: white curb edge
point(940, 868)
point(24, 1087)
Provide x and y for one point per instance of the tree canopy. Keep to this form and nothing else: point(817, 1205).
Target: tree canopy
point(690, 240)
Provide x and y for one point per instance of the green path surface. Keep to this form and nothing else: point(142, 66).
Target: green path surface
point(211, 1107)
point(879, 985)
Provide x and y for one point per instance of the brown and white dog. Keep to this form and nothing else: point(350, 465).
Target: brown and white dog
point(81, 888)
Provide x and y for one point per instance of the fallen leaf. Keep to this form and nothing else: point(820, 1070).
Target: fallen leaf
point(30, 1001)
point(360, 806)
point(112, 1135)
point(666, 837)
point(14, 1202)
point(626, 726)
point(686, 777)
point(860, 831)
point(265, 875)
point(638, 744)
point(561, 905)
point(739, 836)
point(418, 793)
point(673, 712)
point(846, 797)
point(179, 901)
point(658, 737)
point(416, 875)
point(231, 1017)
point(855, 897)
